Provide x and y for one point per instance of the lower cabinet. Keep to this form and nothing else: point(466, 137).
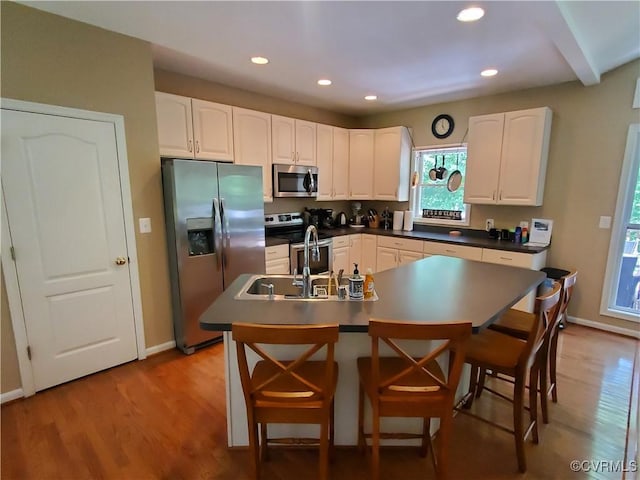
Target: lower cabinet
point(392, 252)
point(369, 247)
point(534, 261)
point(277, 260)
point(341, 254)
point(449, 250)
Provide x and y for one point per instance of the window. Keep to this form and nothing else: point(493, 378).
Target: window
point(439, 192)
point(621, 292)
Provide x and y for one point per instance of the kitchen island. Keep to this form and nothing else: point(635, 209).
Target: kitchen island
point(434, 290)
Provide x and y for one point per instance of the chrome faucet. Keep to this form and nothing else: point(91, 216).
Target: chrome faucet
point(315, 255)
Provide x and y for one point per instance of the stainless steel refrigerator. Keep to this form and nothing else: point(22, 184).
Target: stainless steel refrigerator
point(215, 232)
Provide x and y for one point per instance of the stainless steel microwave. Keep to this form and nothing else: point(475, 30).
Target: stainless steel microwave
point(295, 181)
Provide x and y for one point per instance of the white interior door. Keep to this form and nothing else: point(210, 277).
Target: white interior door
point(65, 213)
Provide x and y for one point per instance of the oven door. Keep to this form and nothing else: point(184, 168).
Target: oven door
point(295, 181)
point(322, 266)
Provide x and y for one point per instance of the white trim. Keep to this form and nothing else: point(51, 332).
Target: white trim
point(161, 347)
point(13, 292)
point(603, 326)
point(12, 395)
point(626, 188)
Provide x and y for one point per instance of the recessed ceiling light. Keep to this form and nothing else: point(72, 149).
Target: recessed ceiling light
point(260, 60)
point(489, 72)
point(371, 97)
point(324, 82)
point(470, 14)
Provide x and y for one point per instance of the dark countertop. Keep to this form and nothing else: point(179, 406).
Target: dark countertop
point(436, 289)
point(470, 238)
point(273, 241)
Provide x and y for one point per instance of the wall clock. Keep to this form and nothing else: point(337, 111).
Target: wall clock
point(442, 126)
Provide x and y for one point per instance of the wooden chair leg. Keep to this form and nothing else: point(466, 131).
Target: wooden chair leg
point(332, 431)
point(444, 439)
point(518, 408)
point(361, 440)
point(375, 445)
point(481, 378)
point(426, 436)
point(473, 381)
point(544, 383)
point(533, 401)
point(323, 466)
point(264, 450)
point(254, 446)
point(553, 352)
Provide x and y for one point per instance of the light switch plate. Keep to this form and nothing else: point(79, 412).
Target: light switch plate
point(144, 225)
point(605, 222)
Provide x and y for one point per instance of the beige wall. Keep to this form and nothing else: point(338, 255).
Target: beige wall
point(588, 138)
point(49, 59)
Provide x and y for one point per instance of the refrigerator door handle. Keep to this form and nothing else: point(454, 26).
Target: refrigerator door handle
point(217, 232)
point(227, 231)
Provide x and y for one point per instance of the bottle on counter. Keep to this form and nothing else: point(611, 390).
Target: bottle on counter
point(525, 235)
point(517, 237)
point(356, 284)
point(368, 284)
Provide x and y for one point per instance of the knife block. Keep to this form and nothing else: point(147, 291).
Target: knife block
point(374, 222)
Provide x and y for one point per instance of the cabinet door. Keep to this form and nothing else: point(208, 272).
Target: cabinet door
point(252, 144)
point(525, 147)
point(340, 163)
point(361, 164)
point(175, 128)
point(324, 159)
point(279, 266)
point(386, 258)
point(355, 251)
point(483, 158)
point(341, 260)
point(405, 257)
point(392, 156)
point(369, 245)
point(212, 131)
point(305, 143)
point(284, 139)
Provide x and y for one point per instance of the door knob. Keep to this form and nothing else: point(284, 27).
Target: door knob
point(121, 261)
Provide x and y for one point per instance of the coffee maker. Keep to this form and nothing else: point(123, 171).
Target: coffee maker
point(319, 217)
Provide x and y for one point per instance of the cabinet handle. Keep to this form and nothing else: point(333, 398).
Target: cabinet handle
point(493, 195)
point(293, 157)
point(500, 196)
point(190, 145)
point(449, 251)
point(506, 258)
point(197, 146)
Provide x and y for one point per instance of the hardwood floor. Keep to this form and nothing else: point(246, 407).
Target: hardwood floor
point(164, 418)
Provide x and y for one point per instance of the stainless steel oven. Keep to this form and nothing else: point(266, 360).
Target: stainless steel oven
point(295, 181)
point(324, 265)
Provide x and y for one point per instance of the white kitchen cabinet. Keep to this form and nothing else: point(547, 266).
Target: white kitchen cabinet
point(369, 246)
point(361, 153)
point(341, 247)
point(451, 250)
point(393, 252)
point(252, 144)
point(332, 159)
point(192, 128)
point(277, 260)
point(391, 164)
point(293, 141)
point(507, 157)
point(534, 261)
point(355, 251)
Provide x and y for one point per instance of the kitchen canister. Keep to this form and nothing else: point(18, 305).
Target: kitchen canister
point(356, 287)
point(408, 221)
point(398, 216)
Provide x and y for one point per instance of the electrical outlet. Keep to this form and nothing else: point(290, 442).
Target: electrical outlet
point(489, 224)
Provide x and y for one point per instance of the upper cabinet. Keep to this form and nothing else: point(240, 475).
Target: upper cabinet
point(252, 144)
point(191, 128)
point(507, 157)
point(332, 156)
point(391, 164)
point(361, 153)
point(294, 141)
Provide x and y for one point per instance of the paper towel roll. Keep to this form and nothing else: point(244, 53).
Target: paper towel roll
point(408, 220)
point(398, 215)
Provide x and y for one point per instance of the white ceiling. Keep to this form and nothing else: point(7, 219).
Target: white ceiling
point(407, 53)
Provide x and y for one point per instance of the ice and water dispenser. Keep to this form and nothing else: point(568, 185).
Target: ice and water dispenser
point(200, 236)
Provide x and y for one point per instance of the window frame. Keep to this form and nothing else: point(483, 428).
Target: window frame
point(415, 198)
point(626, 190)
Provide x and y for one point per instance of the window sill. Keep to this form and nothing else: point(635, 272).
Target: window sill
point(623, 314)
point(441, 222)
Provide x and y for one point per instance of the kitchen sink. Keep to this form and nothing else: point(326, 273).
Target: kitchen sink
point(258, 286)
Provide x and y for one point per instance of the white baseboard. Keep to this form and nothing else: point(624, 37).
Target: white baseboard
point(607, 328)
point(12, 395)
point(161, 348)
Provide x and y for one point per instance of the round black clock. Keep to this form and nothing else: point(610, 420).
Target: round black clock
point(442, 126)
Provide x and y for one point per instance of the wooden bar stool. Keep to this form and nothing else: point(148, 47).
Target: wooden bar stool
point(514, 358)
point(404, 386)
point(518, 323)
point(296, 390)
